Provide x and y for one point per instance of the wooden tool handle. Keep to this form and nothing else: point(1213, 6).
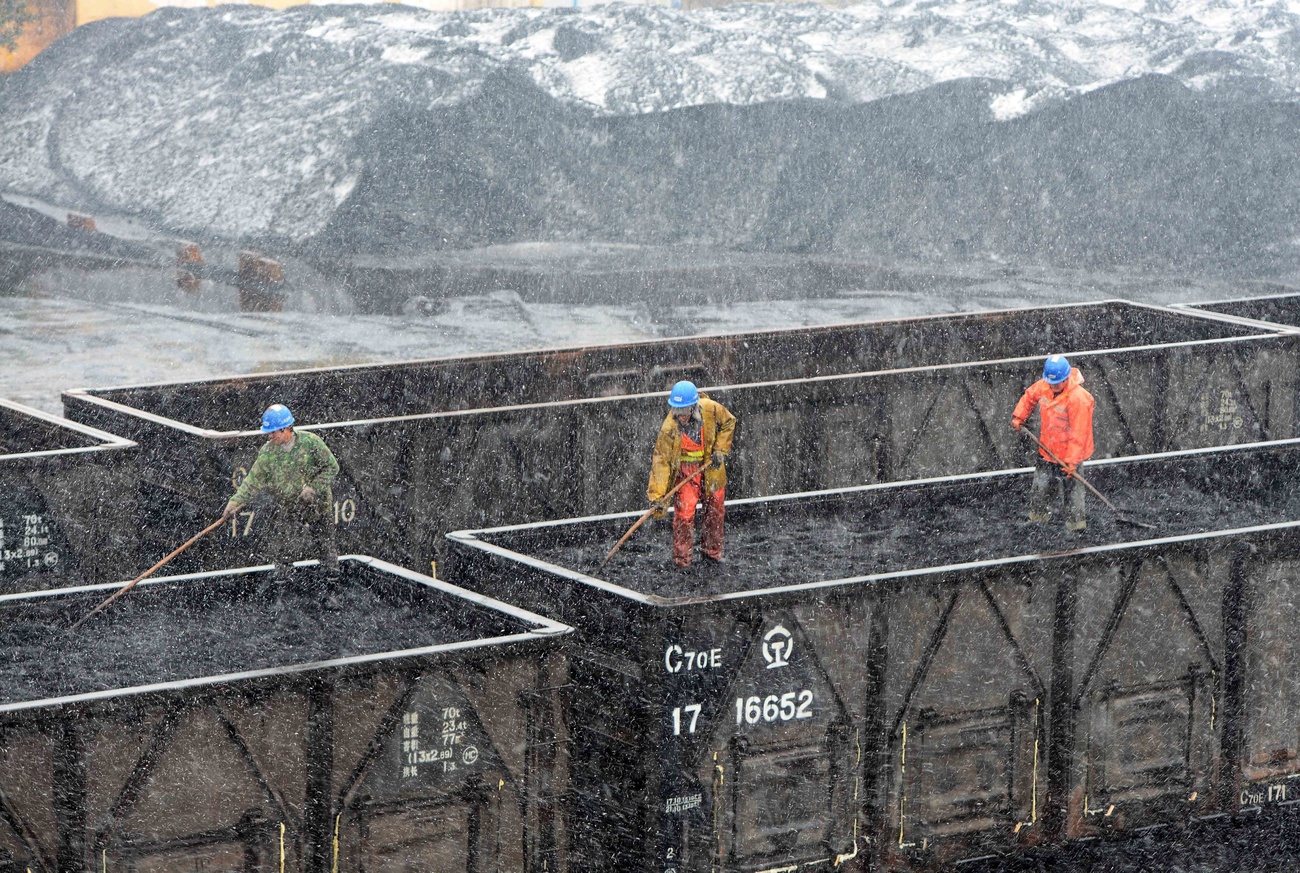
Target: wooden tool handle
point(147, 573)
point(1082, 481)
point(649, 512)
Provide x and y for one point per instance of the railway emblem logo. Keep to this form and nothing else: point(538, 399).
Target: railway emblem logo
point(778, 646)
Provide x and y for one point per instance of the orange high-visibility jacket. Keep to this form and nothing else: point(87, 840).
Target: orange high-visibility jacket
point(716, 432)
point(1065, 419)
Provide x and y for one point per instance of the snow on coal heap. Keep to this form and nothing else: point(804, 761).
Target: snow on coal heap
point(369, 128)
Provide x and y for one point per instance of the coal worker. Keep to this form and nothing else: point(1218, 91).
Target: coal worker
point(696, 430)
point(1065, 430)
point(293, 472)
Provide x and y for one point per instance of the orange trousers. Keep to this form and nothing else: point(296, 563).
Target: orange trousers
point(684, 503)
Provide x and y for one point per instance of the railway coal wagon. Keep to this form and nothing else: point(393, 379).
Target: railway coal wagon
point(418, 459)
point(1268, 309)
point(67, 501)
point(547, 375)
point(909, 675)
point(221, 721)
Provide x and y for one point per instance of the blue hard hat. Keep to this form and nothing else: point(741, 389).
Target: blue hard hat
point(1056, 370)
point(276, 417)
point(683, 395)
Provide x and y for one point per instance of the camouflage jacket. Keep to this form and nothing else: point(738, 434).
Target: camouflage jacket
point(280, 474)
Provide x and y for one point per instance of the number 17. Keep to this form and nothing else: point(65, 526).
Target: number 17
point(693, 711)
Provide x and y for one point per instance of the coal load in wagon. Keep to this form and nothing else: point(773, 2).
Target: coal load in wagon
point(412, 470)
point(224, 721)
point(917, 674)
point(67, 501)
point(1271, 309)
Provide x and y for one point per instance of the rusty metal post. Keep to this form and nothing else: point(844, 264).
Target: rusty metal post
point(77, 221)
point(260, 282)
point(187, 255)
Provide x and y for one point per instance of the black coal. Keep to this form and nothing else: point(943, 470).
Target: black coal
point(824, 538)
point(211, 627)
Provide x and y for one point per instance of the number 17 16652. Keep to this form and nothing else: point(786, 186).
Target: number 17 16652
point(790, 706)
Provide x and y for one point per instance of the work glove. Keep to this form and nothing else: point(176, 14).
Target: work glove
point(1069, 468)
point(308, 494)
point(1017, 424)
point(231, 508)
point(660, 509)
point(718, 459)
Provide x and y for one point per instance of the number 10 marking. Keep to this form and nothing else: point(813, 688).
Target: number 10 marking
point(693, 711)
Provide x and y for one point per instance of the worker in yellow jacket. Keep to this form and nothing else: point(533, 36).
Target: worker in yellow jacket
point(695, 435)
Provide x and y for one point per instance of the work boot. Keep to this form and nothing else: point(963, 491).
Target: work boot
point(1040, 517)
point(1076, 527)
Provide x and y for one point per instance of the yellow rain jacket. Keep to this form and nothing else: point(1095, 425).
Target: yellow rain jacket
point(716, 432)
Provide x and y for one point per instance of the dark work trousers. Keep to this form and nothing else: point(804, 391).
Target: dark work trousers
point(299, 531)
point(1050, 484)
point(684, 503)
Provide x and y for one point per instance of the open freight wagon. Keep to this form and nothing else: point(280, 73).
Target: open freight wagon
point(911, 675)
point(1266, 310)
point(545, 375)
point(221, 722)
point(67, 501)
point(418, 460)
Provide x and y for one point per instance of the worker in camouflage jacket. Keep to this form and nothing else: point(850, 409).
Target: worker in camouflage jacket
point(1064, 410)
point(696, 434)
point(293, 474)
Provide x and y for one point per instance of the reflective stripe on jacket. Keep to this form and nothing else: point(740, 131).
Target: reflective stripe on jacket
point(718, 427)
point(1065, 419)
point(692, 452)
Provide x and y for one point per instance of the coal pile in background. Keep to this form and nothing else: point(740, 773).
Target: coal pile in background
point(894, 530)
point(1143, 173)
point(206, 627)
point(973, 132)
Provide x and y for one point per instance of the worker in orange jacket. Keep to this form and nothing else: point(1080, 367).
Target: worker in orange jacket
point(1065, 430)
point(696, 433)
